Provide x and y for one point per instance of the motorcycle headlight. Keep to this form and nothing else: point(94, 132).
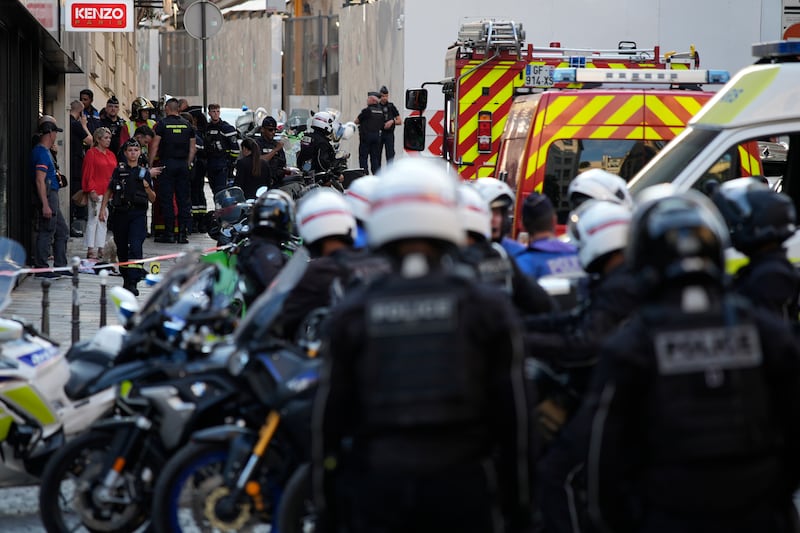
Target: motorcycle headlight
point(237, 361)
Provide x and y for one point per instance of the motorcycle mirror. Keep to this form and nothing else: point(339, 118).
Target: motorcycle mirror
point(261, 190)
point(152, 279)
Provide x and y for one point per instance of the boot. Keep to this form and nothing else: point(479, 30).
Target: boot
point(183, 238)
point(130, 285)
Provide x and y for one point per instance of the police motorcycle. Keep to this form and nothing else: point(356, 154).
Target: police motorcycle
point(231, 215)
point(231, 477)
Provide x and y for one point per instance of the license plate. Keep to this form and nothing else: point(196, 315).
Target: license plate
point(538, 76)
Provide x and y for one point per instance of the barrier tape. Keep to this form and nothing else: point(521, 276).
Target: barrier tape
point(22, 271)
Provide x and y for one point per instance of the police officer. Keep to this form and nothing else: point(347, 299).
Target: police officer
point(545, 254)
point(327, 227)
point(392, 119)
point(370, 127)
point(421, 412)
point(129, 192)
point(221, 149)
point(175, 146)
point(760, 221)
point(598, 184)
point(501, 201)
point(272, 221)
point(316, 153)
point(359, 197)
point(696, 417)
point(490, 261)
point(272, 151)
point(113, 122)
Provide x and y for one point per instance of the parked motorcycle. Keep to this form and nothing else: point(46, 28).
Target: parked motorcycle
point(230, 477)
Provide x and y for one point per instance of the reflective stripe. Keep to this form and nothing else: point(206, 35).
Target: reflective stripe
point(29, 400)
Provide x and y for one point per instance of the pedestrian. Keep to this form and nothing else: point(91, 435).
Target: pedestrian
point(252, 171)
point(141, 115)
point(98, 165)
point(86, 97)
point(391, 120)
point(51, 228)
point(694, 401)
point(175, 147)
point(114, 123)
point(129, 192)
point(760, 221)
point(546, 254)
point(370, 125)
point(221, 149)
point(422, 411)
point(80, 138)
point(272, 151)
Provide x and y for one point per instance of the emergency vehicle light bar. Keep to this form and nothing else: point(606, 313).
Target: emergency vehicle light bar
point(777, 49)
point(613, 75)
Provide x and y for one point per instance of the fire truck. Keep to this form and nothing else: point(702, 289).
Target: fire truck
point(536, 117)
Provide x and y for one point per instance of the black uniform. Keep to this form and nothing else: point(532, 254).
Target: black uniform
point(771, 282)
point(370, 128)
point(76, 153)
point(423, 382)
point(390, 112)
point(221, 149)
point(324, 283)
point(493, 267)
point(260, 261)
point(316, 150)
point(173, 151)
point(115, 126)
point(129, 209)
point(277, 163)
point(696, 422)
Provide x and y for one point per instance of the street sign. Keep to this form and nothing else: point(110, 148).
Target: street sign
point(99, 15)
point(194, 18)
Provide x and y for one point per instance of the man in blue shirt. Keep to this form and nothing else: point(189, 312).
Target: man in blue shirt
point(546, 254)
point(50, 223)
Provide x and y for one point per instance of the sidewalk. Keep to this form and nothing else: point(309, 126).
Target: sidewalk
point(26, 299)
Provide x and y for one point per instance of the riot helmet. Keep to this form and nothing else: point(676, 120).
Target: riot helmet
point(323, 121)
point(598, 184)
point(229, 204)
point(359, 196)
point(324, 213)
point(273, 214)
point(500, 196)
point(417, 199)
point(598, 229)
point(476, 217)
point(756, 215)
point(678, 239)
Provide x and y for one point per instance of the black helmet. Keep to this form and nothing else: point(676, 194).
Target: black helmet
point(755, 214)
point(680, 237)
point(273, 214)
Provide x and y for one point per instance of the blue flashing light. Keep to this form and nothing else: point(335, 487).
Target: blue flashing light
point(718, 76)
point(577, 61)
point(777, 49)
point(565, 75)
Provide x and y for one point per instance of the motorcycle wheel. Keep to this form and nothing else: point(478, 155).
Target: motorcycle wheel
point(68, 498)
point(189, 489)
point(296, 512)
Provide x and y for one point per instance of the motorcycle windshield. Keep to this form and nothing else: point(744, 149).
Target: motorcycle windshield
point(167, 289)
point(267, 307)
point(12, 259)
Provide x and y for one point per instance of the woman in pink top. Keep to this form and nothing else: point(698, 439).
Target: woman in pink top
point(98, 165)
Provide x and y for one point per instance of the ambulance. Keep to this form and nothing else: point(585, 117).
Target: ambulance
point(759, 105)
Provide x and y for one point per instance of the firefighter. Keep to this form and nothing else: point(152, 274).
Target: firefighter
point(422, 411)
point(221, 149)
point(490, 261)
point(760, 221)
point(695, 412)
point(141, 115)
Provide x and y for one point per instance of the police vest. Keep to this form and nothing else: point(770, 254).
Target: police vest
point(418, 368)
point(128, 188)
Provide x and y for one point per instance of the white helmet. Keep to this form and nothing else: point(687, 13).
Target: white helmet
point(417, 199)
point(598, 228)
point(597, 184)
point(476, 216)
point(494, 191)
point(323, 120)
point(324, 213)
point(359, 196)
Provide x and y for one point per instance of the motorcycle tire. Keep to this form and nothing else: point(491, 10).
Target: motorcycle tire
point(296, 513)
point(80, 463)
point(193, 477)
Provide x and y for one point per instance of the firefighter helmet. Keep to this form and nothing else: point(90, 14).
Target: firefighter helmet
point(140, 103)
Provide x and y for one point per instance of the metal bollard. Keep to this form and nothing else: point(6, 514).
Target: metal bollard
point(46, 306)
point(76, 304)
point(103, 281)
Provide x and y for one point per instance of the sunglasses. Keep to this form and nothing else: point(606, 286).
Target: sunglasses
point(269, 129)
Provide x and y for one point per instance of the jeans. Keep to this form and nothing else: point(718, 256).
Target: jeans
point(174, 181)
point(53, 232)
